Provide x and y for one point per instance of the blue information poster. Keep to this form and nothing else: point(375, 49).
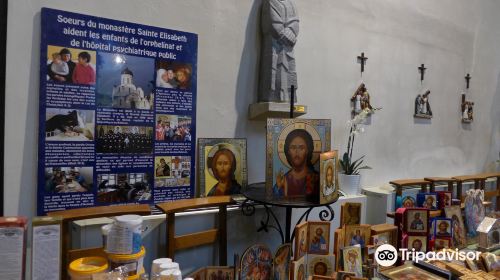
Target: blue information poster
point(117, 112)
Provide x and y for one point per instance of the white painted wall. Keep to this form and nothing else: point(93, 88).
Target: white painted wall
point(452, 37)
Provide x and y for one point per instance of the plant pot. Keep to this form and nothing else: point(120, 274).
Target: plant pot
point(350, 184)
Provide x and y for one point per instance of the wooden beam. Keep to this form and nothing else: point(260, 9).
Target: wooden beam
point(195, 239)
point(491, 194)
point(170, 235)
point(101, 211)
point(222, 235)
point(409, 182)
point(194, 203)
point(87, 252)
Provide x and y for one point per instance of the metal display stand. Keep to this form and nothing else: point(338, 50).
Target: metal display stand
point(255, 194)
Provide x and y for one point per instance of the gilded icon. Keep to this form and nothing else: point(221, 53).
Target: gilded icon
point(222, 166)
point(293, 152)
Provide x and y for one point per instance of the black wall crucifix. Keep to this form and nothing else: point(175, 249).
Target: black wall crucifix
point(467, 78)
point(362, 59)
point(422, 72)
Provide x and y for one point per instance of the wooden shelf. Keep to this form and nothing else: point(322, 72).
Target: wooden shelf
point(409, 182)
point(465, 178)
point(490, 175)
point(68, 216)
point(440, 179)
point(101, 211)
point(194, 203)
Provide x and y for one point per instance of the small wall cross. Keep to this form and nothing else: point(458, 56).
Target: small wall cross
point(422, 72)
point(362, 59)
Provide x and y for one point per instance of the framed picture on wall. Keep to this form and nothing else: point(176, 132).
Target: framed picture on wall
point(222, 166)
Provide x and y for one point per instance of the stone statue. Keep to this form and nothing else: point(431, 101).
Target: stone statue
point(360, 100)
point(422, 105)
point(280, 27)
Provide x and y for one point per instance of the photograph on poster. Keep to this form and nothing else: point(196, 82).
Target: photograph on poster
point(295, 145)
point(125, 81)
point(123, 187)
point(222, 166)
point(68, 179)
point(68, 65)
point(179, 168)
point(69, 125)
point(163, 166)
point(124, 139)
point(173, 128)
point(173, 74)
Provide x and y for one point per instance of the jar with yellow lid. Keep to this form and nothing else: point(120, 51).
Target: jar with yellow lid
point(84, 268)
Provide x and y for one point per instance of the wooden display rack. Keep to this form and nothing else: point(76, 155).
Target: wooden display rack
point(69, 216)
point(401, 184)
point(175, 243)
point(479, 183)
point(495, 194)
point(438, 180)
point(478, 179)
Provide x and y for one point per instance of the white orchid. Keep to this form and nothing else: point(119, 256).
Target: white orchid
point(355, 127)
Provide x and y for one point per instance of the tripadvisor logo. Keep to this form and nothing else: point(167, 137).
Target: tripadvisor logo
point(387, 255)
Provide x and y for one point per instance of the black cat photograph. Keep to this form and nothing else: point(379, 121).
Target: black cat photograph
point(69, 125)
point(124, 139)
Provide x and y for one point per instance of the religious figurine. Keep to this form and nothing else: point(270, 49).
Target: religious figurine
point(280, 27)
point(422, 106)
point(360, 100)
point(467, 110)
